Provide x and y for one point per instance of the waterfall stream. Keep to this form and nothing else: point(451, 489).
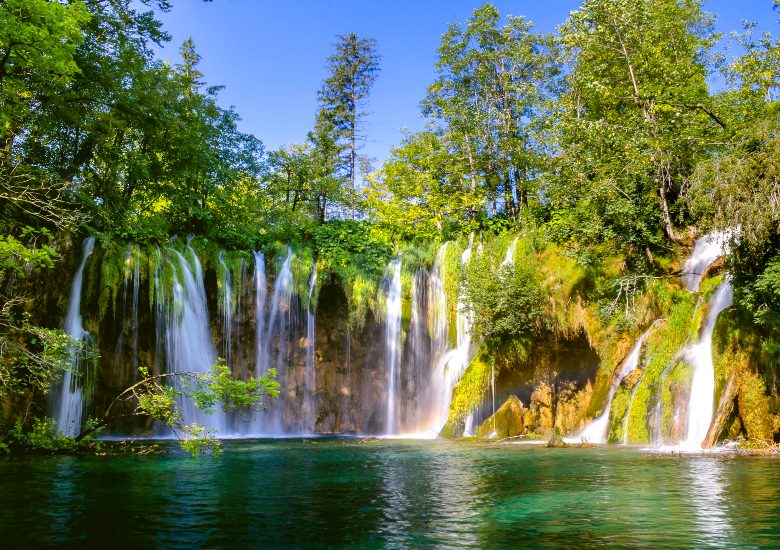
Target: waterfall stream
point(68, 401)
point(226, 307)
point(278, 333)
point(189, 347)
point(391, 285)
point(699, 355)
point(596, 431)
point(311, 375)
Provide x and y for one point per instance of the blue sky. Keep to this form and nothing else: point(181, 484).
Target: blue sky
point(270, 55)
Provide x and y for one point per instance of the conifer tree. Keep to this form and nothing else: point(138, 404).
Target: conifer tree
point(353, 69)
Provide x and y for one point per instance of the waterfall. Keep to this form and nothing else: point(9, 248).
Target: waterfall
point(596, 431)
point(131, 273)
point(509, 257)
point(277, 331)
point(68, 400)
point(699, 355)
point(311, 380)
point(391, 285)
point(707, 249)
point(417, 366)
point(450, 364)
point(187, 334)
point(226, 306)
point(134, 310)
point(261, 291)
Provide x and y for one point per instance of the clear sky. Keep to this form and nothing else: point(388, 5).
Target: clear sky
point(270, 54)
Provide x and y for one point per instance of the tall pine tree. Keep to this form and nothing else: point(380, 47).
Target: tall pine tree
point(353, 69)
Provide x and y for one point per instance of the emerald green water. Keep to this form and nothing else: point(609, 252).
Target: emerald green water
point(390, 494)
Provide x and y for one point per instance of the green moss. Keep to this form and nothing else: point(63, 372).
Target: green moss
point(469, 392)
point(662, 346)
point(507, 420)
point(754, 409)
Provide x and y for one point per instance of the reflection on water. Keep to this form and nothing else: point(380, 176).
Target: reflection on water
point(334, 493)
point(708, 495)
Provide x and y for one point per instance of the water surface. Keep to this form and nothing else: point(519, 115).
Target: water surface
point(388, 493)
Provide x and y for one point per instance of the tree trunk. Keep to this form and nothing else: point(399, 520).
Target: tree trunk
point(665, 180)
point(725, 408)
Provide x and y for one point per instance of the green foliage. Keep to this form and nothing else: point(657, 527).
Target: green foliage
point(357, 255)
point(353, 69)
point(42, 437)
point(471, 388)
point(634, 120)
point(161, 402)
point(506, 301)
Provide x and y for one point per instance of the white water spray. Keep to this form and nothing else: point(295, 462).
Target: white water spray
point(188, 337)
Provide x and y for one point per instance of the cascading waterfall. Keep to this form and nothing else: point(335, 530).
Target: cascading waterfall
point(278, 331)
point(226, 306)
point(68, 401)
point(699, 355)
point(131, 273)
point(311, 380)
point(391, 284)
point(261, 291)
point(707, 249)
point(187, 335)
point(451, 365)
point(596, 431)
point(417, 365)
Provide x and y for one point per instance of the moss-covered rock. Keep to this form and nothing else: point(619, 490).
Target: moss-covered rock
point(508, 420)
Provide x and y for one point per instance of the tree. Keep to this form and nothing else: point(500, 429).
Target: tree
point(353, 69)
point(419, 192)
point(738, 187)
point(490, 104)
point(152, 397)
point(635, 119)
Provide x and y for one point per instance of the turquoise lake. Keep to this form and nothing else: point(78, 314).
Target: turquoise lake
point(391, 494)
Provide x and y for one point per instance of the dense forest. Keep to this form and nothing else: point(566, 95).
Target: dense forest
point(603, 150)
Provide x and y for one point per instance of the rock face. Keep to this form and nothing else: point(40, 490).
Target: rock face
point(508, 421)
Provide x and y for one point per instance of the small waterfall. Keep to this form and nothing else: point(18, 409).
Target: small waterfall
point(391, 285)
point(450, 365)
point(417, 364)
point(132, 273)
point(509, 257)
point(278, 332)
point(707, 249)
point(68, 400)
point(261, 291)
point(134, 310)
point(596, 431)
point(187, 334)
point(226, 306)
point(699, 355)
point(311, 380)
